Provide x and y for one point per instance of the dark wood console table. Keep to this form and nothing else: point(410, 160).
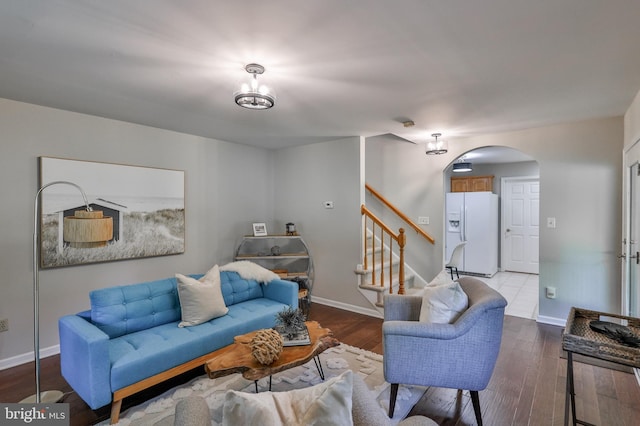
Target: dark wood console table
point(579, 338)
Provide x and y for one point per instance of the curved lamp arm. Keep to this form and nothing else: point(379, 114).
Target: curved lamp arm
point(36, 276)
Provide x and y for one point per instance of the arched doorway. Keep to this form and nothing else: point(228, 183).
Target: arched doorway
point(514, 177)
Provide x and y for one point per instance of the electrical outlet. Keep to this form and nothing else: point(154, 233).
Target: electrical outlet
point(551, 292)
point(423, 220)
point(4, 324)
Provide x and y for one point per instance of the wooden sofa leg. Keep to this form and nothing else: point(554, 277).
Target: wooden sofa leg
point(392, 398)
point(115, 411)
point(475, 399)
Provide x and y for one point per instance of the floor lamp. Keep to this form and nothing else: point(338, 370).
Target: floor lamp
point(52, 395)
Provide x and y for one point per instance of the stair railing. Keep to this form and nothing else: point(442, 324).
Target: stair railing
point(386, 234)
point(401, 215)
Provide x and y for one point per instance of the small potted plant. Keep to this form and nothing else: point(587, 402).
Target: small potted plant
point(290, 321)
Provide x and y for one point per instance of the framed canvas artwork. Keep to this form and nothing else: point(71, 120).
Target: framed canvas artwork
point(135, 212)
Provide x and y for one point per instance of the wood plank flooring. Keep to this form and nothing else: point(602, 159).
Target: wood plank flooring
point(527, 387)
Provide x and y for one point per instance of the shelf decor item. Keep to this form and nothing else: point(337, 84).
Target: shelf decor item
point(259, 230)
point(291, 229)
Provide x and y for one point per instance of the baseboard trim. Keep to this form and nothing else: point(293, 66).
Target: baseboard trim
point(14, 361)
point(560, 322)
point(347, 307)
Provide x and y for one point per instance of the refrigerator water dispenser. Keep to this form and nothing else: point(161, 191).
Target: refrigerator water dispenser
point(453, 219)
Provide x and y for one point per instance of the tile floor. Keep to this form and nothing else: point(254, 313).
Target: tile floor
point(520, 290)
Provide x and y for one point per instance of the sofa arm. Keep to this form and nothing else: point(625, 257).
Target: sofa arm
point(84, 360)
point(282, 291)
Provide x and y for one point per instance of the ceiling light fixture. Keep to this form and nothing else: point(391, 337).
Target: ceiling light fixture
point(462, 166)
point(252, 95)
point(437, 146)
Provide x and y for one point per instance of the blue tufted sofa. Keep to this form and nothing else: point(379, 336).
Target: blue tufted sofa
point(130, 340)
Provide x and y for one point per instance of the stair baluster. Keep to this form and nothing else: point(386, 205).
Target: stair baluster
point(385, 231)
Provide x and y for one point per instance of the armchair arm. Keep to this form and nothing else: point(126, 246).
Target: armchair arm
point(282, 291)
point(402, 308)
point(84, 360)
point(420, 330)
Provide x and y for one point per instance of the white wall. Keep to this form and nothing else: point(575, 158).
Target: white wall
point(632, 123)
point(228, 186)
point(306, 176)
point(580, 177)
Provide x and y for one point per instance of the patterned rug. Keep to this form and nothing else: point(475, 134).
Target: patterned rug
point(368, 365)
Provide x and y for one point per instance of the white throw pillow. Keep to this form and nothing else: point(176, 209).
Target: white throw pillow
point(327, 403)
point(443, 303)
point(201, 300)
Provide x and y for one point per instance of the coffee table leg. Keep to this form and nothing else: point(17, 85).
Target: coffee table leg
point(255, 382)
point(316, 359)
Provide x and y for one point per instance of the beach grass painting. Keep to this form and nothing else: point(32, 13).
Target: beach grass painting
point(136, 212)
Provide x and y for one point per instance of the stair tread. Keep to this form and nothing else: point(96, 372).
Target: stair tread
point(373, 287)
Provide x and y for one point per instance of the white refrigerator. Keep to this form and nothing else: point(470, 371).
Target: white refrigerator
point(473, 217)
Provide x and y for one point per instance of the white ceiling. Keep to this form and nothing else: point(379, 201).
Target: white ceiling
point(339, 68)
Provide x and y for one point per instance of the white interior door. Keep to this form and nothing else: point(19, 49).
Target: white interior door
point(520, 224)
point(633, 257)
point(631, 238)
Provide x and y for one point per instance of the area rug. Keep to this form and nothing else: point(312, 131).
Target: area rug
point(334, 361)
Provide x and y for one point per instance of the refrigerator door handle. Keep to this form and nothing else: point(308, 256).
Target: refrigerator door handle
point(464, 223)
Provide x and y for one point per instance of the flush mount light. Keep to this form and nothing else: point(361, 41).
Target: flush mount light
point(462, 166)
point(253, 95)
point(437, 146)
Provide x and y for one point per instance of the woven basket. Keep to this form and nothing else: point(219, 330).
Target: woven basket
point(579, 338)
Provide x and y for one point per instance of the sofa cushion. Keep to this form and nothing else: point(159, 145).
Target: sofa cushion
point(126, 309)
point(327, 403)
point(200, 300)
point(142, 354)
point(236, 289)
point(129, 308)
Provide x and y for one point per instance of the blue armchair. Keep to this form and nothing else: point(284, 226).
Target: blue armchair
point(461, 355)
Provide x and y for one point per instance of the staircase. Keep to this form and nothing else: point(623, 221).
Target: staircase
point(383, 269)
point(379, 262)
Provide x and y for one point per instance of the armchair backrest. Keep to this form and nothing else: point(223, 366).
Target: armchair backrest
point(461, 355)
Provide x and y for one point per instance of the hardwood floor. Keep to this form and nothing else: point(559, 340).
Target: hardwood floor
point(527, 387)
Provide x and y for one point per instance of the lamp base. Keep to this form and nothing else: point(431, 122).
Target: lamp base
point(46, 397)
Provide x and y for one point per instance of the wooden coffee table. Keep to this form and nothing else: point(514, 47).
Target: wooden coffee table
point(237, 358)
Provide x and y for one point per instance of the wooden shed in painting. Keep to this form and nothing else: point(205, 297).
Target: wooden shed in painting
point(115, 231)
